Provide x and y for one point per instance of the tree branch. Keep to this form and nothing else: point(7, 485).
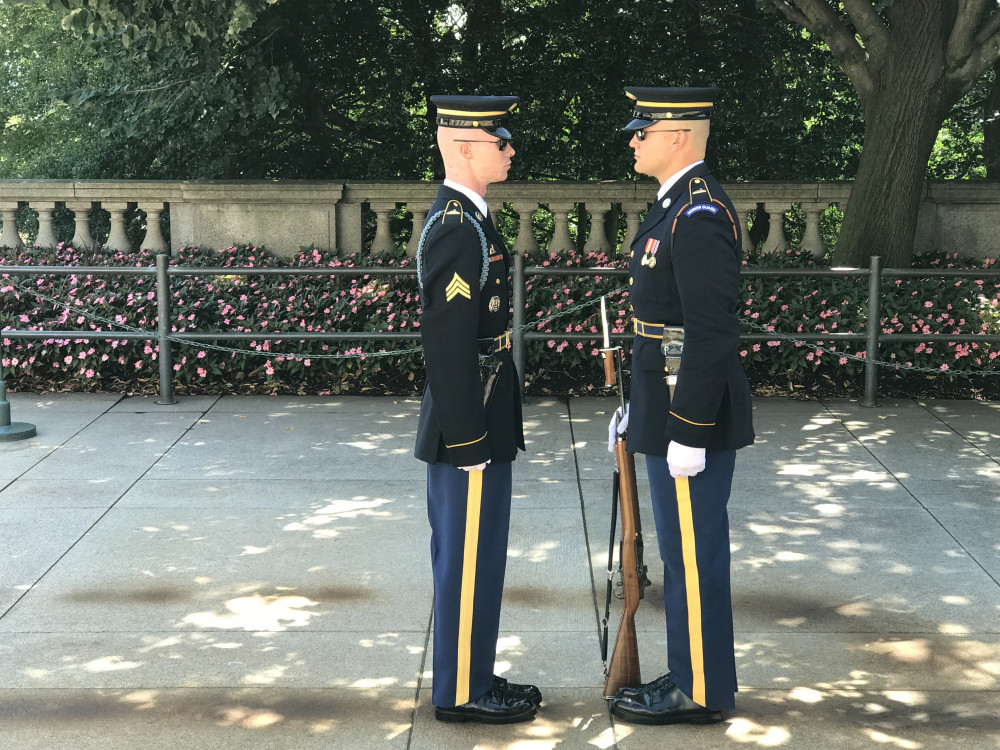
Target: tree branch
point(991, 27)
point(791, 13)
point(962, 38)
point(821, 20)
point(979, 61)
point(870, 27)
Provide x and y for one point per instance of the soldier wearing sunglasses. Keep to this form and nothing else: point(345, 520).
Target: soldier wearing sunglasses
point(470, 429)
point(688, 415)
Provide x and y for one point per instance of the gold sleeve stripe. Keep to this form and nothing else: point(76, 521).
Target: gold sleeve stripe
point(696, 424)
point(478, 115)
point(459, 445)
point(468, 595)
point(692, 585)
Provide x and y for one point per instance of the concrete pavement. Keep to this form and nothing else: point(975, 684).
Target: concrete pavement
point(253, 572)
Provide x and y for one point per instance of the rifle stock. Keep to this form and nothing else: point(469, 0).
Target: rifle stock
point(623, 669)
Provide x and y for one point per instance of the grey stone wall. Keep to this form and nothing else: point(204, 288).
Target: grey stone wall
point(956, 216)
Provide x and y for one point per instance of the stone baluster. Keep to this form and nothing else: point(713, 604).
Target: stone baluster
point(382, 244)
point(525, 242)
point(561, 240)
point(46, 233)
point(597, 238)
point(632, 211)
point(82, 238)
point(154, 241)
point(9, 236)
point(812, 242)
point(118, 241)
point(776, 240)
point(419, 217)
point(743, 216)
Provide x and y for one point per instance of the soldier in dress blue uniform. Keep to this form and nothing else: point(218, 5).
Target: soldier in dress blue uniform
point(470, 428)
point(684, 271)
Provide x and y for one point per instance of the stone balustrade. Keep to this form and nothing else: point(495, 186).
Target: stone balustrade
point(286, 215)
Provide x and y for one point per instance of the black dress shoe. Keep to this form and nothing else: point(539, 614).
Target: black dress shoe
point(497, 706)
point(528, 692)
point(628, 691)
point(666, 704)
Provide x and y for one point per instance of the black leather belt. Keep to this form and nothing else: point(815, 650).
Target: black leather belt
point(495, 344)
point(649, 330)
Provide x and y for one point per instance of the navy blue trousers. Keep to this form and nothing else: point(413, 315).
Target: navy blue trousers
point(692, 528)
point(469, 512)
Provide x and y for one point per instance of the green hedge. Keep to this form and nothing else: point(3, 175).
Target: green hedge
point(786, 305)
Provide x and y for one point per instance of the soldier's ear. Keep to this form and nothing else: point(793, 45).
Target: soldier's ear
point(465, 149)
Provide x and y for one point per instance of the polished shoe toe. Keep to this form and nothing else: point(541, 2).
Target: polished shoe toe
point(496, 706)
point(528, 692)
point(629, 691)
point(666, 704)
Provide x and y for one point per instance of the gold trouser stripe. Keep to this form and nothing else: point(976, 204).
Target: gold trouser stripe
point(473, 504)
point(693, 587)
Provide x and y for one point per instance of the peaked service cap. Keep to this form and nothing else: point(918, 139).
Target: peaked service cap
point(485, 112)
point(669, 103)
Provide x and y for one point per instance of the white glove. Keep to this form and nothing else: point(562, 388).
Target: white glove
point(619, 423)
point(684, 461)
point(477, 467)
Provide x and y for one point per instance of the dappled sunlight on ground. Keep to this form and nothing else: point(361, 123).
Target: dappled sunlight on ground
point(257, 613)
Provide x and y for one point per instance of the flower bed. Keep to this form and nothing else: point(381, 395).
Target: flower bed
point(786, 305)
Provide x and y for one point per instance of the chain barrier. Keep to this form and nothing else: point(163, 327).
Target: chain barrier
point(879, 362)
point(179, 339)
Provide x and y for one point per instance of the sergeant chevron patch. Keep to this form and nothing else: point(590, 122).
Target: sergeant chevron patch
point(457, 288)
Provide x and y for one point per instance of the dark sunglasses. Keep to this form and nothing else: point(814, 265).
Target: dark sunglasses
point(642, 133)
point(501, 143)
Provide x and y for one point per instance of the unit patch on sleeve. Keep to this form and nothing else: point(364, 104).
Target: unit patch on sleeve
point(457, 287)
point(701, 207)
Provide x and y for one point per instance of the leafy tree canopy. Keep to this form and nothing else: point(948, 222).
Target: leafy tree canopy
point(337, 89)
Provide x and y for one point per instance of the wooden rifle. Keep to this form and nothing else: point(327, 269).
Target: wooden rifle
point(623, 669)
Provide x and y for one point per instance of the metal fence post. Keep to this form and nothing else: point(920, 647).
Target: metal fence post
point(165, 356)
point(874, 324)
point(10, 431)
point(518, 343)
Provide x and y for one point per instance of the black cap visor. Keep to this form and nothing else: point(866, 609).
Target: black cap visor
point(500, 132)
point(638, 124)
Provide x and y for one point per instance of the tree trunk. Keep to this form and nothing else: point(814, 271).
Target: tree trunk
point(905, 100)
point(881, 216)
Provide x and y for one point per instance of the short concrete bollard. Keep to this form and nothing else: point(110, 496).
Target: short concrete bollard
point(11, 430)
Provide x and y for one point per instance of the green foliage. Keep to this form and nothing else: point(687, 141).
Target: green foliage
point(257, 90)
